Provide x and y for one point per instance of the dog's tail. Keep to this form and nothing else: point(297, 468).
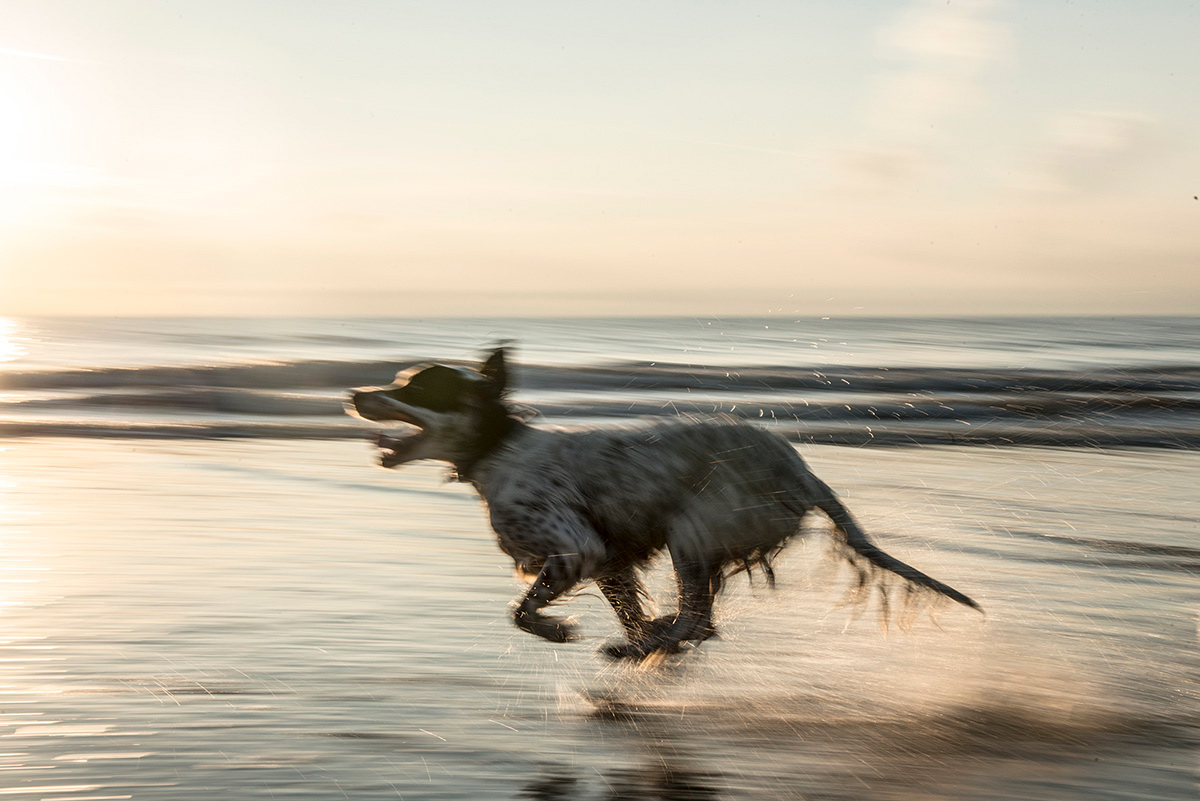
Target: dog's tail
point(857, 549)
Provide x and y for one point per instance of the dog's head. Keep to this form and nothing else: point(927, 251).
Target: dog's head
point(455, 414)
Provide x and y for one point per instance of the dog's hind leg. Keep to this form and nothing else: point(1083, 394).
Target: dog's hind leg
point(699, 581)
point(623, 591)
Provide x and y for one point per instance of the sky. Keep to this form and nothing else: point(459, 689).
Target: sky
point(420, 159)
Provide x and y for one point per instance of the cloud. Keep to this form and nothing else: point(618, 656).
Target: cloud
point(937, 52)
point(946, 33)
point(881, 166)
point(1090, 151)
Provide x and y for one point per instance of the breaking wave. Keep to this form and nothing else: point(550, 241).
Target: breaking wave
point(1148, 406)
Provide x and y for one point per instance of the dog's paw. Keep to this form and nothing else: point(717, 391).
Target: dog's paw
point(560, 631)
point(618, 651)
point(640, 651)
point(548, 628)
point(660, 629)
point(657, 628)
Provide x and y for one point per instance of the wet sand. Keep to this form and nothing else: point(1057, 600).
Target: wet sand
point(278, 619)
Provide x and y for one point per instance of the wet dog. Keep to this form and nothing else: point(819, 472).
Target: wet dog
point(572, 504)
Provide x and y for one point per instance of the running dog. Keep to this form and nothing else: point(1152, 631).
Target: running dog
point(572, 504)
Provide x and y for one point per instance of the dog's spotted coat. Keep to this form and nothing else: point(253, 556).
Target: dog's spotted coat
point(571, 504)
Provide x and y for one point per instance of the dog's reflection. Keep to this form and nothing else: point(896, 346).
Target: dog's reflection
point(656, 763)
point(661, 781)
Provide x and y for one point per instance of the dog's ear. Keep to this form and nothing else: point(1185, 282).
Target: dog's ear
point(495, 373)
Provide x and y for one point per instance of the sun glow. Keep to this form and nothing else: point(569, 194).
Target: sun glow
point(49, 139)
point(10, 348)
point(18, 169)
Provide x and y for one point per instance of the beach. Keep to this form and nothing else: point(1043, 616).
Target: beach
point(200, 602)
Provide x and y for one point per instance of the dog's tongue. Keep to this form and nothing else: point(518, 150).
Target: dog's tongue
point(393, 447)
point(389, 441)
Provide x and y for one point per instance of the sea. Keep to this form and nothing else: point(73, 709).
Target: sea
point(210, 589)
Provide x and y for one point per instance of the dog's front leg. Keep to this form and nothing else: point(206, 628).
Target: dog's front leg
point(559, 574)
point(574, 552)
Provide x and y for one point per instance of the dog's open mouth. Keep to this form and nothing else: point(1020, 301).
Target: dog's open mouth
point(395, 447)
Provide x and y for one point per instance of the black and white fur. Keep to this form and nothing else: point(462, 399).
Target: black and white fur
point(572, 504)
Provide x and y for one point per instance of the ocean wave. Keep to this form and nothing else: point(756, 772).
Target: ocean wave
point(202, 399)
point(181, 430)
point(1133, 407)
point(848, 433)
point(629, 376)
point(268, 375)
point(833, 404)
